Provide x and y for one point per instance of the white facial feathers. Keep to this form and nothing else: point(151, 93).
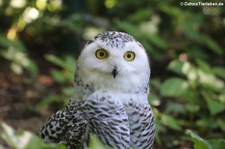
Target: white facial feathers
point(118, 68)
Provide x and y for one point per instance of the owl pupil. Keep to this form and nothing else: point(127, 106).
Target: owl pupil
point(102, 54)
point(128, 56)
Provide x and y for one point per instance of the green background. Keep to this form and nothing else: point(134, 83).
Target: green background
point(40, 41)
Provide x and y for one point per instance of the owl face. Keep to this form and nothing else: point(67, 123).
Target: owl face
point(114, 58)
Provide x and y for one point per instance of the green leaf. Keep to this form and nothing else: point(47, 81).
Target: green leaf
point(190, 71)
point(67, 64)
point(171, 122)
point(173, 107)
point(35, 141)
point(199, 143)
point(19, 60)
point(206, 123)
point(32, 67)
point(220, 71)
point(192, 108)
point(55, 60)
point(176, 66)
point(171, 10)
point(174, 87)
point(12, 43)
point(142, 14)
point(68, 91)
point(154, 99)
point(70, 64)
point(8, 134)
point(58, 75)
point(21, 139)
point(212, 45)
point(96, 144)
point(218, 143)
point(214, 106)
point(204, 66)
point(46, 101)
point(158, 41)
point(221, 123)
point(209, 80)
point(155, 83)
point(189, 30)
point(129, 27)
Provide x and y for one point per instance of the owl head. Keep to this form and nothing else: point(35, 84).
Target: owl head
point(114, 60)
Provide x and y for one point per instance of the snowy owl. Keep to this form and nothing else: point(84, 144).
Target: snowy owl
point(109, 99)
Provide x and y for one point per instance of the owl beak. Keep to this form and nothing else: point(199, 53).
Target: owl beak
point(114, 72)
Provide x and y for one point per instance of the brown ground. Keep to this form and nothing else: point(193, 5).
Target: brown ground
point(19, 96)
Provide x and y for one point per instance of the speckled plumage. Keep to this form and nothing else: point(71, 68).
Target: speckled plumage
point(113, 107)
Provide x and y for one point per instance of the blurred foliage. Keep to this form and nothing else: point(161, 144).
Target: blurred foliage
point(23, 139)
point(62, 76)
point(200, 143)
point(185, 46)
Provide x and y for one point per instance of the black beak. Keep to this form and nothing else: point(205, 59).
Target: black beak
point(114, 72)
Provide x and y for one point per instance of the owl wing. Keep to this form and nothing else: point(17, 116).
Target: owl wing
point(142, 126)
point(73, 124)
point(60, 127)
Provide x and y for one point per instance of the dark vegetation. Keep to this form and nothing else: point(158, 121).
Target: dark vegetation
point(41, 39)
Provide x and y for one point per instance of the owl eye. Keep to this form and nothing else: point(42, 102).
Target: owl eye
point(101, 53)
point(129, 56)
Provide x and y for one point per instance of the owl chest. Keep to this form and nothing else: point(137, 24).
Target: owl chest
point(112, 115)
point(105, 105)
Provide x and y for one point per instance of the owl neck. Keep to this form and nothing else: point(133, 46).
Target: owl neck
point(121, 84)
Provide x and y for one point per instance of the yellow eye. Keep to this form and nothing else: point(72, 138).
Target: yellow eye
point(129, 56)
point(101, 54)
